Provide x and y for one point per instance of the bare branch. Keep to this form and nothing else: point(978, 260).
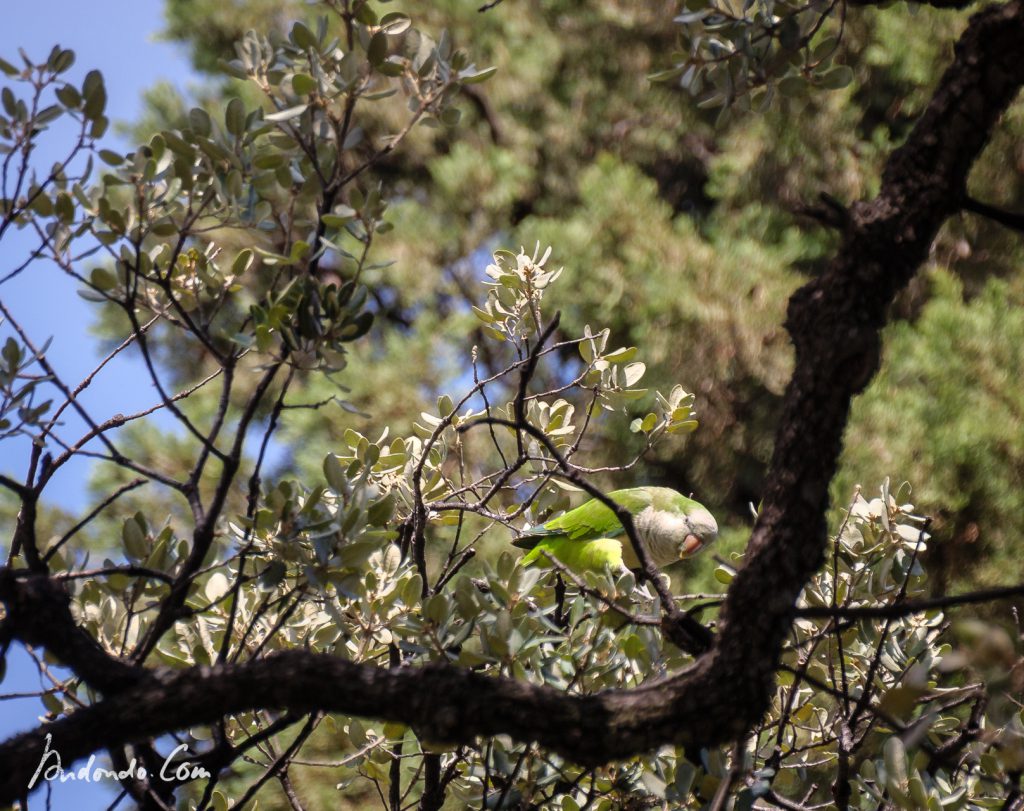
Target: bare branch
point(945, 4)
point(67, 536)
point(908, 607)
point(38, 613)
point(1009, 219)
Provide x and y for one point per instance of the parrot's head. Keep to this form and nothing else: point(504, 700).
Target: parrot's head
point(699, 532)
point(670, 536)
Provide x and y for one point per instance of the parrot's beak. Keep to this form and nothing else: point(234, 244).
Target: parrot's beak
point(691, 545)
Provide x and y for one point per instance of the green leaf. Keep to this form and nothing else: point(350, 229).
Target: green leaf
point(52, 703)
point(62, 61)
point(269, 160)
point(365, 14)
point(299, 249)
point(48, 114)
point(621, 355)
point(380, 512)
point(357, 327)
point(633, 372)
point(377, 50)
point(394, 23)
point(334, 472)
point(11, 353)
point(471, 76)
point(233, 68)
point(199, 121)
point(339, 217)
point(242, 262)
point(392, 66)
point(103, 279)
point(303, 84)
point(234, 117)
point(485, 316)
point(302, 36)
point(789, 32)
point(793, 86)
point(287, 114)
point(823, 49)
point(9, 101)
point(41, 203)
point(69, 96)
point(273, 574)
point(95, 95)
point(895, 755)
point(134, 539)
point(99, 126)
point(901, 701)
point(666, 75)
point(216, 587)
point(838, 77)
point(451, 116)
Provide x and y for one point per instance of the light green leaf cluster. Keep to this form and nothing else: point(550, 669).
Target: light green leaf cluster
point(20, 409)
point(946, 402)
point(421, 468)
point(741, 55)
point(512, 311)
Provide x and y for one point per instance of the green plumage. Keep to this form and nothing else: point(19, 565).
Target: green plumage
point(591, 537)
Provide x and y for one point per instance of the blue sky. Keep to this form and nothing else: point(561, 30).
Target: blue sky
point(119, 39)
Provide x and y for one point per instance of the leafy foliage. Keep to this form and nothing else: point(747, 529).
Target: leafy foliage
point(643, 195)
point(240, 254)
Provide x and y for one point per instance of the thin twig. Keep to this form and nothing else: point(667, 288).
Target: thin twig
point(896, 610)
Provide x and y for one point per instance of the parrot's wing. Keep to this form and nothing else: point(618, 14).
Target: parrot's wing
point(578, 555)
point(588, 522)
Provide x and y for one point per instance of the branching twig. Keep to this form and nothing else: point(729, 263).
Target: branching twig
point(908, 607)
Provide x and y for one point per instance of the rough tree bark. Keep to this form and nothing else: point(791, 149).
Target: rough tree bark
point(834, 322)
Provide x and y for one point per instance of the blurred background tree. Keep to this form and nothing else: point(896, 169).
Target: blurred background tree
point(687, 238)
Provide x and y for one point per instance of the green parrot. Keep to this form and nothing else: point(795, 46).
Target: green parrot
point(669, 525)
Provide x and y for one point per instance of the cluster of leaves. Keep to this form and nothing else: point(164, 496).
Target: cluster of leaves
point(336, 573)
point(733, 56)
point(47, 201)
point(250, 234)
point(440, 475)
point(39, 97)
point(970, 461)
point(19, 410)
point(643, 195)
point(334, 568)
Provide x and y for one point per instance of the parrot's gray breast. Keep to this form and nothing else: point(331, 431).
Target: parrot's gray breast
point(662, 534)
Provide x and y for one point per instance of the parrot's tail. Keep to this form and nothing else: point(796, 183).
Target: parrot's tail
point(528, 541)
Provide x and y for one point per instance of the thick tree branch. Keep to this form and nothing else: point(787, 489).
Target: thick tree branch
point(38, 613)
point(834, 322)
point(442, 703)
